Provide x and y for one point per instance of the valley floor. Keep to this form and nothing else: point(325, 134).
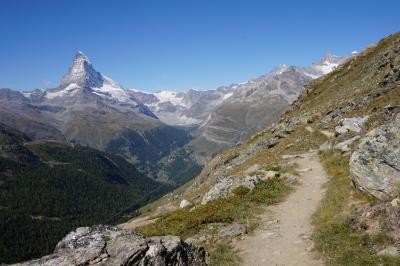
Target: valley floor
point(284, 235)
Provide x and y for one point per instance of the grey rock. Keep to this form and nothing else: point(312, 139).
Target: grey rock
point(252, 169)
point(268, 143)
point(226, 184)
point(345, 145)
point(379, 218)
point(325, 146)
point(185, 203)
point(353, 124)
point(291, 156)
point(327, 133)
point(375, 165)
point(232, 230)
point(107, 245)
point(391, 251)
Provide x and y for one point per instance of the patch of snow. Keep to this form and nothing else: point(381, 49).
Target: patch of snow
point(113, 90)
point(71, 88)
point(326, 67)
point(27, 93)
point(226, 96)
point(170, 96)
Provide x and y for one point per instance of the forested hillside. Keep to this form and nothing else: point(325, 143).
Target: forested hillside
point(48, 187)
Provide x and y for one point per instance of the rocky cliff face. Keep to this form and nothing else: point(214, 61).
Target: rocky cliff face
point(106, 245)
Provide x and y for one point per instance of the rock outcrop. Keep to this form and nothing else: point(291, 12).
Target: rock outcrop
point(353, 124)
point(380, 218)
point(345, 145)
point(185, 203)
point(107, 245)
point(375, 165)
point(226, 184)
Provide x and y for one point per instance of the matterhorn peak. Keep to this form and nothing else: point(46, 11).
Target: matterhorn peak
point(80, 56)
point(82, 73)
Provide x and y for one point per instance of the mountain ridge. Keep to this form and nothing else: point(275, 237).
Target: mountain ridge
point(165, 103)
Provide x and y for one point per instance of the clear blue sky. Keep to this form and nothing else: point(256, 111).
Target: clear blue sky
point(177, 45)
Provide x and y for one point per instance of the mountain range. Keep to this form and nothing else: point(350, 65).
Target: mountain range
point(164, 134)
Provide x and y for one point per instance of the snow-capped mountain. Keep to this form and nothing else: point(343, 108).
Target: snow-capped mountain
point(82, 83)
point(183, 108)
point(195, 107)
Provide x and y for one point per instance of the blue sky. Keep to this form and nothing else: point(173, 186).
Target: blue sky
point(178, 45)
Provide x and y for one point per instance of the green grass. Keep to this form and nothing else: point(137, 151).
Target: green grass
point(222, 254)
point(240, 207)
point(333, 236)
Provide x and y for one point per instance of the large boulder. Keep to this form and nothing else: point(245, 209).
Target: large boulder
point(375, 165)
point(353, 124)
point(107, 245)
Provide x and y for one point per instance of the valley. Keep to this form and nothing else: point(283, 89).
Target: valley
point(298, 165)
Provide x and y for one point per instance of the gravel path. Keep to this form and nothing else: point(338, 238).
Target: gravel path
point(283, 237)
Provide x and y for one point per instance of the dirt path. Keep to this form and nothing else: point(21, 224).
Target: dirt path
point(283, 237)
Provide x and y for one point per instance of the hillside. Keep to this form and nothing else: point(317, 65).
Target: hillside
point(331, 115)
point(47, 188)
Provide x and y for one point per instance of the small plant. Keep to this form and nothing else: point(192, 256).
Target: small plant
point(241, 191)
point(222, 254)
point(105, 238)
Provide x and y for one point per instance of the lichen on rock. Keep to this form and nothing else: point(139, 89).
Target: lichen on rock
point(108, 245)
point(375, 165)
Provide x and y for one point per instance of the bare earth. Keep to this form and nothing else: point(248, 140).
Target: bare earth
point(283, 237)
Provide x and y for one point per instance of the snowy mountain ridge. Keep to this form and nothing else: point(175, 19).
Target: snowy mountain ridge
point(182, 108)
